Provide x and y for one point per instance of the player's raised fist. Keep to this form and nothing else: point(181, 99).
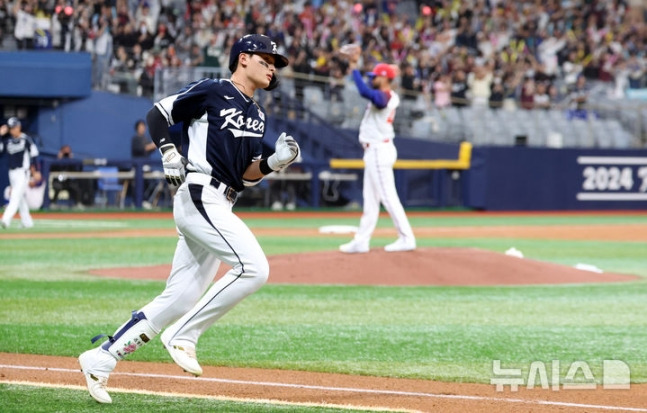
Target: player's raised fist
point(286, 151)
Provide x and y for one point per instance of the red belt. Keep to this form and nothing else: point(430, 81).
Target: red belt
point(367, 144)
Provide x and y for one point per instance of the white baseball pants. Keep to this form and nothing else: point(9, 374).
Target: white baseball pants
point(18, 179)
point(379, 187)
point(209, 233)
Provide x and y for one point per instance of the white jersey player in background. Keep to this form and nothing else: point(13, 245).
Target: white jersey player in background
point(376, 137)
point(22, 154)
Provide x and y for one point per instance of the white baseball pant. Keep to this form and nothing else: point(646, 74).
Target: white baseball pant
point(18, 179)
point(379, 187)
point(209, 233)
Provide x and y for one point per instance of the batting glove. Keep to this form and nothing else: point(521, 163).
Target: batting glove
point(286, 151)
point(174, 164)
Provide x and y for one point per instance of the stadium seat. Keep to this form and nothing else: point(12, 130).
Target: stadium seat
point(109, 188)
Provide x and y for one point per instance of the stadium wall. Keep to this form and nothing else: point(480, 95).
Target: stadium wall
point(45, 74)
point(521, 178)
point(98, 126)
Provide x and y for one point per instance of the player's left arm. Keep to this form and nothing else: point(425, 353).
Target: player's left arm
point(33, 153)
point(286, 152)
point(253, 175)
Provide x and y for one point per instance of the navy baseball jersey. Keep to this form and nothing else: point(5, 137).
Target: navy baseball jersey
point(223, 128)
point(21, 150)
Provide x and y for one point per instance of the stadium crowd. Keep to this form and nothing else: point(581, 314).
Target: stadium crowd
point(527, 53)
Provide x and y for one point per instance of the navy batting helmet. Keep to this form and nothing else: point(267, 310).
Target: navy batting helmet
point(13, 122)
point(256, 43)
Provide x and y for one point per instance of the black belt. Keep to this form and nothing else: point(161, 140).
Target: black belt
point(230, 193)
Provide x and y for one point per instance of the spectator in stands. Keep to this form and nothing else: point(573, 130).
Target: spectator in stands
point(102, 48)
point(136, 55)
point(212, 52)
point(554, 96)
point(636, 69)
point(301, 69)
point(578, 99)
point(337, 81)
point(145, 21)
point(60, 182)
point(459, 89)
point(442, 91)
point(511, 82)
point(125, 36)
point(163, 39)
point(527, 96)
point(196, 57)
point(409, 82)
point(121, 71)
point(140, 145)
point(479, 82)
point(25, 25)
point(62, 20)
point(183, 44)
point(571, 69)
point(147, 78)
point(620, 74)
point(541, 100)
point(4, 20)
point(497, 94)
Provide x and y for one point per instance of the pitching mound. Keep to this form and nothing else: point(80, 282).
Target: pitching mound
point(425, 266)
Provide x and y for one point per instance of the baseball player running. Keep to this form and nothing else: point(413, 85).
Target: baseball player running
point(22, 162)
point(376, 137)
point(221, 154)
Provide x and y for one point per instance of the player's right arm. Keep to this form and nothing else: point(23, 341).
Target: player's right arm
point(158, 127)
point(189, 103)
point(377, 97)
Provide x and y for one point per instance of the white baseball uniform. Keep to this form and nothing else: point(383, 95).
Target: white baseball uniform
point(376, 136)
point(22, 152)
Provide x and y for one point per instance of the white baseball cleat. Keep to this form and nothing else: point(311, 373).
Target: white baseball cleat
point(401, 244)
point(353, 247)
point(184, 356)
point(96, 365)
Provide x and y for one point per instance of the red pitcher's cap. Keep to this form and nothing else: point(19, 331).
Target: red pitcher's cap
point(383, 69)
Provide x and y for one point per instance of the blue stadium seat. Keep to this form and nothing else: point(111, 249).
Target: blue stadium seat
point(109, 187)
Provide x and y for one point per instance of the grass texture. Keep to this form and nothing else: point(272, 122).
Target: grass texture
point(15, 399)
point(50, 305)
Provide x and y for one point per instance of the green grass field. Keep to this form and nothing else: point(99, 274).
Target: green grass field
point(50, 305)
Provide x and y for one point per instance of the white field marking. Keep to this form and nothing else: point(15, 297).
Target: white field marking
point(214, 397)
point(353, 390)
point(338, 229)
point(76, 223)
